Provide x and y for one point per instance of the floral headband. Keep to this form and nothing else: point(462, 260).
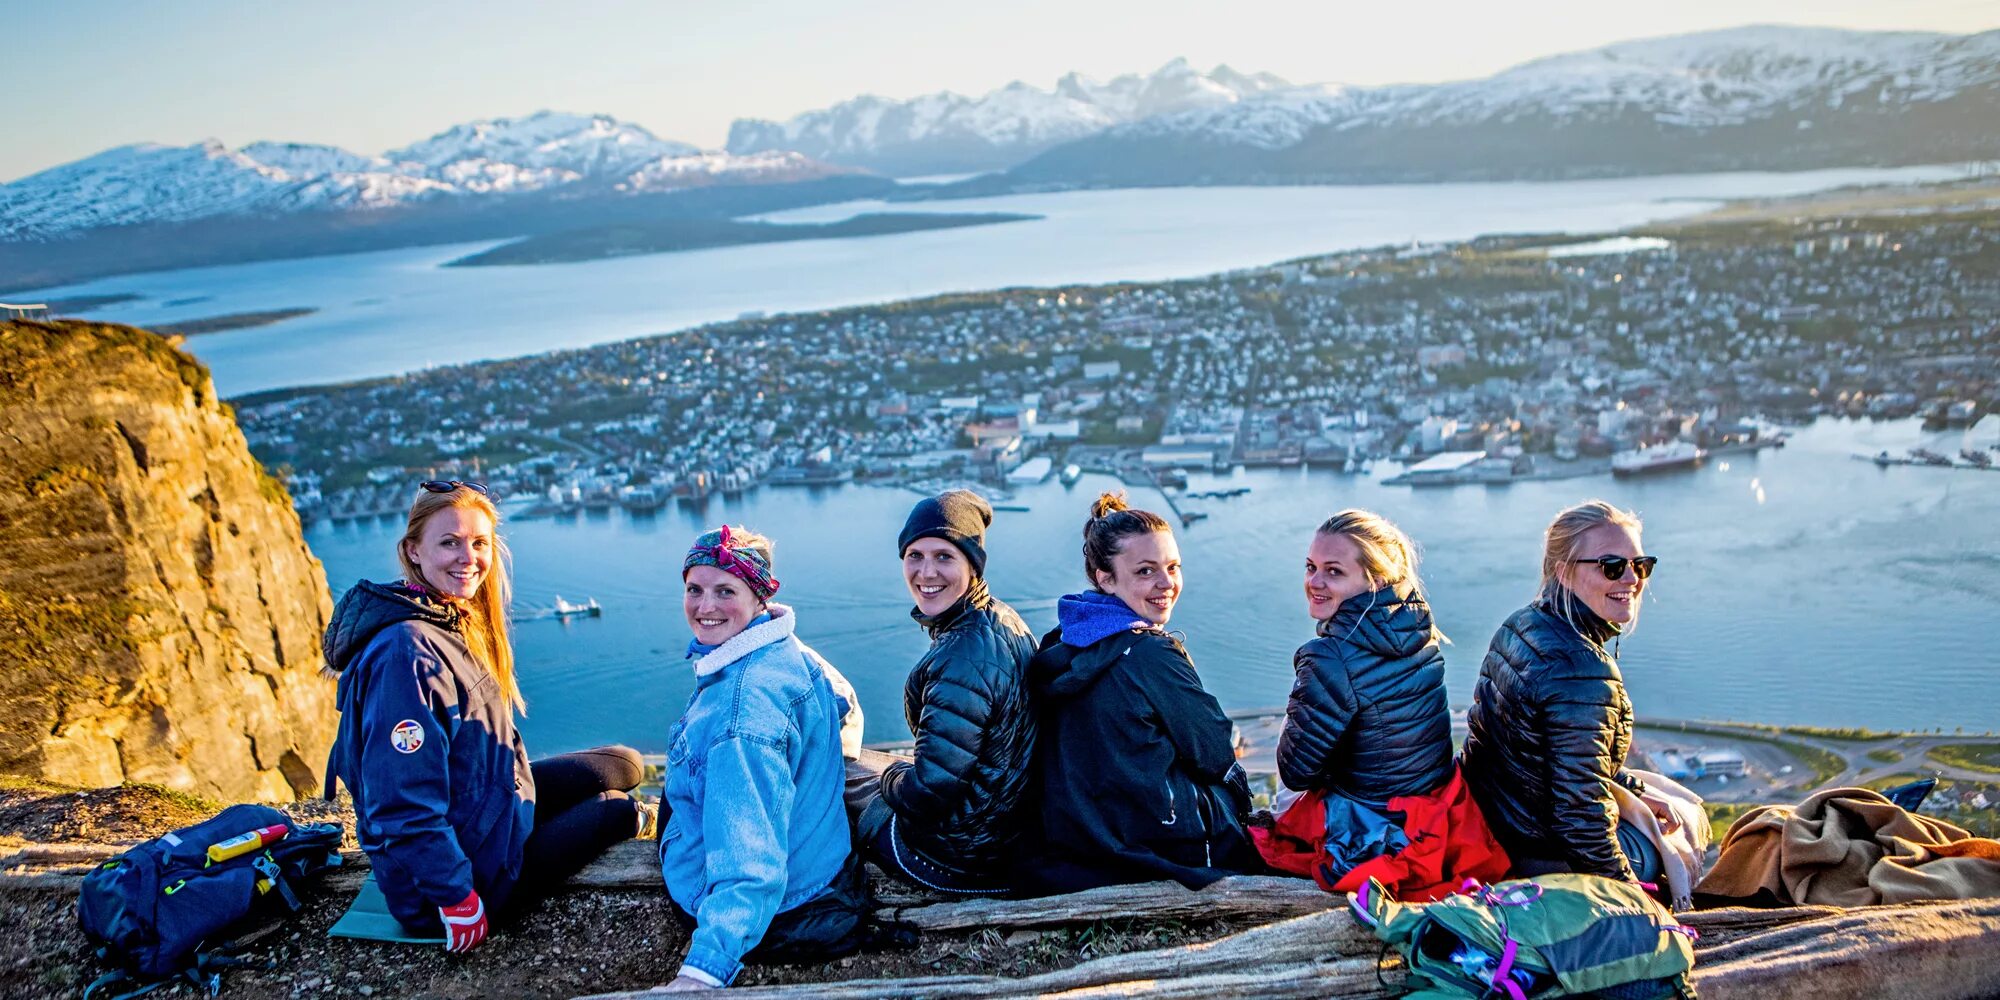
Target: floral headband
point(722, 551)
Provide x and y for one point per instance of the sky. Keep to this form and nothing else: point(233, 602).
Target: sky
point(373, 75)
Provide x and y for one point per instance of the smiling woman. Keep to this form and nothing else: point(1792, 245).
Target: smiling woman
point(1550, 723)
point(458, 825)
point(1136, 762)
point(754, 842)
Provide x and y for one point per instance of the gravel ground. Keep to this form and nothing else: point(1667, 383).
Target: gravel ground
point(578, 943)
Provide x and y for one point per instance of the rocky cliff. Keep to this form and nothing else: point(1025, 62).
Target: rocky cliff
point(160, 614)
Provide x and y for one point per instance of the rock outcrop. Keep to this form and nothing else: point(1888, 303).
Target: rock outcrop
point(160, 614)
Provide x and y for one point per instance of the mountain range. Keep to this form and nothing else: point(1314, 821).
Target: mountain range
point(1760, 97)
point(945, 133)
point(1753, 98)
point(576, 155)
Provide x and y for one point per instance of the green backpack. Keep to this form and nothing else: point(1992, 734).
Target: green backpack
point(1550, 936)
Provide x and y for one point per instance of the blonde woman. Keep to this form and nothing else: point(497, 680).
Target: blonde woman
point(1367, 733)
point(457, 824)
point(1550, 723)
point(1367, 717)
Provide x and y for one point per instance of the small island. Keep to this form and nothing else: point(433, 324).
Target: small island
point(231, 321)
point(675, 235)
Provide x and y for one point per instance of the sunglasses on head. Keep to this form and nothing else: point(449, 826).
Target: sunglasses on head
point(447, 485)
point(1614, 566)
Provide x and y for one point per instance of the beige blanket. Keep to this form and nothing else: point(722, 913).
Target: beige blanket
point(1851, 847)
point(1683, 851)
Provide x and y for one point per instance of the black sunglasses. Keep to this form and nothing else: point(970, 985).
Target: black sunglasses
point(447, 485)
point(1614, 566)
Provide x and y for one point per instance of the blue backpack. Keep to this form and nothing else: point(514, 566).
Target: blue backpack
point(163, 910)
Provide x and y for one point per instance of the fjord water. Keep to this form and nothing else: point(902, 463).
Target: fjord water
point(1795, 586)
point(396, 311)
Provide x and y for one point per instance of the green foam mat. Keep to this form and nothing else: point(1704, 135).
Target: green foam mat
point(369, 920)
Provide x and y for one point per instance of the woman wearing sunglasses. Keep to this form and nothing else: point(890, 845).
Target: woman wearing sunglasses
point(754, 841)
point(458, 825)
point(1550, 723)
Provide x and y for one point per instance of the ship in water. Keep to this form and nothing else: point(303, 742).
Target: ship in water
point(588, 609)
point(1657, 458)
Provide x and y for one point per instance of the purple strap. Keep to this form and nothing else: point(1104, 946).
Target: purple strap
point(1693, 934)
point(1500, 974)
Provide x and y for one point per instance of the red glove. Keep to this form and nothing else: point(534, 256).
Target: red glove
point(464, 924)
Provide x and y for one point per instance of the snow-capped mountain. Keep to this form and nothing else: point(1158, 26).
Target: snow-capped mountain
point(564, 154)
point(143, 183)
point(1761, 97)
point(539, 151)
point(946, 132)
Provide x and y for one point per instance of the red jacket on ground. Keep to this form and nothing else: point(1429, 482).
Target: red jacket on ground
point(1448, 843)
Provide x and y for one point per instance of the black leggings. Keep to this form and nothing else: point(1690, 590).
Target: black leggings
point(581, 810)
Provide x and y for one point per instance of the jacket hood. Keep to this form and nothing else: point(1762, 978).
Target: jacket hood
point(1565, 606)
point(1061, 670)
point(368, 608)
point(976, 597)
point(1392, 622)
point(1092, 616)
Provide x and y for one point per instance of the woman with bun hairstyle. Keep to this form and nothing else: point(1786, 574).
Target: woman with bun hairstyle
point(947, 818)
point(754, 841)
point(1135, 762)
point(457, 824)
point(1550, 722)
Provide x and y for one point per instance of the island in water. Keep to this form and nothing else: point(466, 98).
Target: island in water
point(674, 235)
point(232, 321)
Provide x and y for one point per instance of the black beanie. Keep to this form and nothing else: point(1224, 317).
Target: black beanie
point(957, 516)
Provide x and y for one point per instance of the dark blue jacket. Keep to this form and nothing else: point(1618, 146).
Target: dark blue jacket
point(1136, 776)
point(443, 798)
point(967, 702)
point(1368, 716)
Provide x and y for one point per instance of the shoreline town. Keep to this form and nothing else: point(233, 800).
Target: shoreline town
point(1497, 360)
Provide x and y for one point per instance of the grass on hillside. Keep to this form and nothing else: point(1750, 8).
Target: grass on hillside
point(1884, 755)
point(1971, 756)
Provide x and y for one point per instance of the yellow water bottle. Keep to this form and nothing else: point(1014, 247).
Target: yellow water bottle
point(244, 843)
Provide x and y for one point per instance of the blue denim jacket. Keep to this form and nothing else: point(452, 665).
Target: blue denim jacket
point(754, 783)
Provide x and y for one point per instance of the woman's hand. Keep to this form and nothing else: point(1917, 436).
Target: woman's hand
point(685, 984)
point(1662, 811)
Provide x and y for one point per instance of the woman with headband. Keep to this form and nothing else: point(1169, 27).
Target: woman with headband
point(754, 841)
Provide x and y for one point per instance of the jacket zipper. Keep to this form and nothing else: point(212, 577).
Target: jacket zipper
point(1173, 815)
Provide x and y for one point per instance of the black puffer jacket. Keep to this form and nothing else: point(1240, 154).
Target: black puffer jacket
point(1549, 729)
point(967, 702)
point(1368, 716)
point(1136, 774)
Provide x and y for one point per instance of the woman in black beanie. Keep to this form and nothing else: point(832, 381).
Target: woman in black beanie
point(945, 820)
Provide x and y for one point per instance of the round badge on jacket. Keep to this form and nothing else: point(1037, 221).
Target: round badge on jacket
point(407, 736)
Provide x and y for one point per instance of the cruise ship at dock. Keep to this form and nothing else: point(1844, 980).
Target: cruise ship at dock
point(1657, 458)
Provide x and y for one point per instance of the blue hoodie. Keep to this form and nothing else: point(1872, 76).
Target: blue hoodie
point(756, 824)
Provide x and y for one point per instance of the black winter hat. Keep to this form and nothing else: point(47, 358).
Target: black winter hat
point(960, 517)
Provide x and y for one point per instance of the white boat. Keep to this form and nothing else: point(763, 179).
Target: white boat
point(1657, 458)
point(1071, 473)
point(588, 609)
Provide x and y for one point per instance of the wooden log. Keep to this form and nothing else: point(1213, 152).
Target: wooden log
point(1936, 952)
point(1256, 897)
point(1739, 919)
point(63, 854)
point(634, 864)
point(1290, 958)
